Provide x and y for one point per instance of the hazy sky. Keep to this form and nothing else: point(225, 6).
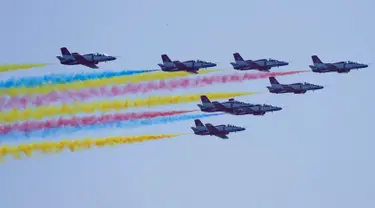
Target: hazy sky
point(316, 152)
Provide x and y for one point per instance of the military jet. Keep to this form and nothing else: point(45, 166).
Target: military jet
point(89, 60)
point(220, 131)
point(260, 65)
point(296, 88)
point(339, 67)
point(235, 107)
point(188, 66)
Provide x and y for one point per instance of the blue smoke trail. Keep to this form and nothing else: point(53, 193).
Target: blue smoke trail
point(119, 124)
point(65, 78)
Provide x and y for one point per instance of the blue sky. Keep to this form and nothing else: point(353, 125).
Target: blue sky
point(317, 152)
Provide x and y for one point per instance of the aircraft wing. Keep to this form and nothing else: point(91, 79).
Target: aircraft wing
point(259, 67)
point(212, 129)
point(219, 106)
point(264, 69)
point(81, 60)
point(182, 66)
point(244, 110)
point(289, 87)
point(332, 66)
point(193, 71)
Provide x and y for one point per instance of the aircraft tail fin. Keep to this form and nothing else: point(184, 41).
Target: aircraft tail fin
point(237, 57)
point(165, 58)
point(205, 99)
point(273, 80)
point(65, 51)
point(316, 59)
point(198, 122)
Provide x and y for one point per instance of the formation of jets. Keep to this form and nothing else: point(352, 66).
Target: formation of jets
point(193, 66)
point(235, 107)
point(232, 106)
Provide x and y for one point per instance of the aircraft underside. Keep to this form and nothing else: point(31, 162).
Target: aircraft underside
point(252, 68)
point(74, 62)
point(246, 112)
point(259, 113)
point(176, 69)
point(300, 92)
point(325, 70)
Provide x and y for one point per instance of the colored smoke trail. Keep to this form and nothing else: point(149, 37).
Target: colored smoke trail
point(105, 126)
point(106, 106)
point(23, 102)
point(55, 147)
point(13, 67)
point(65, 78)
point(28, 126)
point(98, 82)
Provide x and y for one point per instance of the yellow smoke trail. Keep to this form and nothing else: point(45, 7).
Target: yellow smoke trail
point(12, 67)
point(39, 113)
point(99, 82)
point(74, 145)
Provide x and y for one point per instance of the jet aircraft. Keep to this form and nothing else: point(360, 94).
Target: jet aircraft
point(89, 60)
point(260, 65)
point(339, 67)
point(189, 66)
point(296, 88)
point(220, 131)
point(235, 107)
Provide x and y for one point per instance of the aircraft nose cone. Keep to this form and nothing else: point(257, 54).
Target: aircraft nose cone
point(320, 87)
point(278, 108)
point(365, 65)
point(111, 58)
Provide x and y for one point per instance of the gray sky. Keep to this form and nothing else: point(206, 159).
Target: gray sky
point(317, 152)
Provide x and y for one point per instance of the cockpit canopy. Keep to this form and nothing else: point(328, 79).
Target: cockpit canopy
point(238, 102)
point(306, 83)
point(352, 62)
point(203, 62)
point(101, 54)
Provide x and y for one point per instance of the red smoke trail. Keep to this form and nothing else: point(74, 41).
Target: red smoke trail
point(143, 87)
point(86, 120)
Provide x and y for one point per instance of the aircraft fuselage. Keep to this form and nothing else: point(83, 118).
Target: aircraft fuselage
point(293, 88)
point(238, 108)
point(263, 64)
point(225, 129)
point(195, 65)
point(92, 58)
point(340, 67)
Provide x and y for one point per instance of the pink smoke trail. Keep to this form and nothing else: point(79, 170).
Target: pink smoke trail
point(83, 121)
point(25, 101)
